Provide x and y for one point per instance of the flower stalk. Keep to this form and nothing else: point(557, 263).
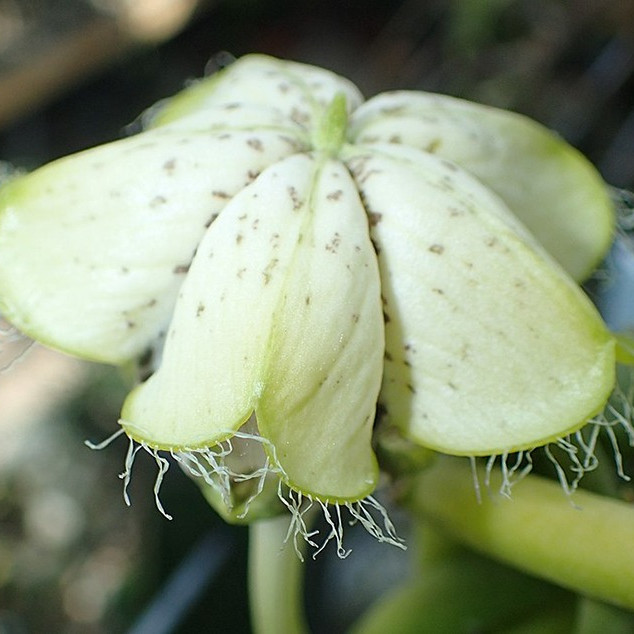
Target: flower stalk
point(275, 580)
point(535, 531)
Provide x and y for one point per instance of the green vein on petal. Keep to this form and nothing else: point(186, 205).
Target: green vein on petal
point(280, 313)
point(94, 246)
point(550, 186)
point(490, 347)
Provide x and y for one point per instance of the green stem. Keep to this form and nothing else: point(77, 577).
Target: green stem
point(599, 618)
point(275, 580)
point(584, 544)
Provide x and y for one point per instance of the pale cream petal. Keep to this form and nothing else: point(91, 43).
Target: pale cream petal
point(550, 186)
point(490, 347)
point(326, 350)
point(210, 378)
point(280, 314)
point(299, 92)
point(94, 247)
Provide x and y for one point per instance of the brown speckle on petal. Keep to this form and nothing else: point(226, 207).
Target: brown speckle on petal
point(268, 271)
point(299, 116)
point(297, 202)
point(433, 146)
point(374, 218)
point(157, 201)
point(334, 243)
point(255, 144)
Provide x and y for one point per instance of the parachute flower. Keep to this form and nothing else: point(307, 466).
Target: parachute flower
point(281, 256)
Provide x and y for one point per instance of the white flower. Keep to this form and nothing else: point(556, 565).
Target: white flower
point(292, 256)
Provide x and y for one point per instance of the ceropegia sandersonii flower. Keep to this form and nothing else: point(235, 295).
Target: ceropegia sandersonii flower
point(291, 256)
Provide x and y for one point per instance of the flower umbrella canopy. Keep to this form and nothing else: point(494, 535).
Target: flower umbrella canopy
point(293, 256)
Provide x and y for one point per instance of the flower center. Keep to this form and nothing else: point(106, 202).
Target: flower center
point(330, 133)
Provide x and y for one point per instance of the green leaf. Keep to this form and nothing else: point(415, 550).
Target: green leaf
point(467, 594)
point(545, 182)
point(624, 347)
point(490, 346)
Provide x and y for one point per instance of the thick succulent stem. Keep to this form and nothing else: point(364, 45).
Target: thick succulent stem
point(582, 544)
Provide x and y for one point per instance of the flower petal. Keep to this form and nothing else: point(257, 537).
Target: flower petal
point(326, 349)
point(550, 186)
point(299, 92)
point(94, 247)
point(280, 313)
point(490, 347)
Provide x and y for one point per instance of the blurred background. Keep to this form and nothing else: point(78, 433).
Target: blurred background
point(75, 73)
